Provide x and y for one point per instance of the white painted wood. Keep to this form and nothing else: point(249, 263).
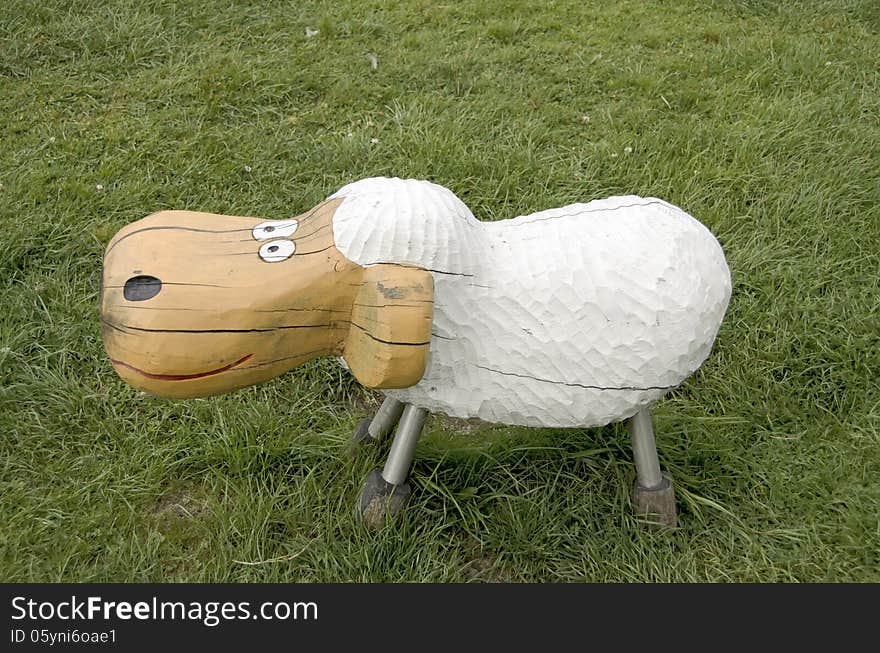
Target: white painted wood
point(274, 229)
point(574, 316)
point(277, 250)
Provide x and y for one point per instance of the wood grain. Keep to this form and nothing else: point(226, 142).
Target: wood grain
point(225, 318)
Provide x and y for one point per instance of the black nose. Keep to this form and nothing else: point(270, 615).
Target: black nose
point(141, 287)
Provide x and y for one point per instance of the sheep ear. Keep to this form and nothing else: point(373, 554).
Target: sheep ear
point(387, 343)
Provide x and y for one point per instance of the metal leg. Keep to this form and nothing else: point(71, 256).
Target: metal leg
point(653, 494)
point(371, 431)
point(386, 491)
point(401, 455)
point(645, 450)
point(386, 418)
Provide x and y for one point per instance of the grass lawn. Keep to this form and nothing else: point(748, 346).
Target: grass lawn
point(762, 120)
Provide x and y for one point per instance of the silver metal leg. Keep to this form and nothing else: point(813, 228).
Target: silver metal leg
point(385, 492)
point(653, 496)
point(401, 455)
point(385, 419)
point(645, 450)
point(371, 431)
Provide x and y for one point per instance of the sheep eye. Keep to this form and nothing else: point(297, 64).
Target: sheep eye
point(277, 250)
point(274, 229)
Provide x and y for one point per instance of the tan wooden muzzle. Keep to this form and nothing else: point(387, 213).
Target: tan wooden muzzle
point(196, 304)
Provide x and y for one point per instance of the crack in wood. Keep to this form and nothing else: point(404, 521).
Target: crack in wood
point(419, 267)
point(389, 342)
point(577, 385)
point(585, 211)
point(173, 228)
point(253, 330)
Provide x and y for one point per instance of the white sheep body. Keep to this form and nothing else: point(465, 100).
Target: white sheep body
point(575, 316)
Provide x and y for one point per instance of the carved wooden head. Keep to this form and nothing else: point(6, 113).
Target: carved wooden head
point(195, 304)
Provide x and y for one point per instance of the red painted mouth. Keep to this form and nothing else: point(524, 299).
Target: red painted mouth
point(179, 377)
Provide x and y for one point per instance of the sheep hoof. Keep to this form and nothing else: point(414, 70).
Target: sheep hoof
point(361, 437)
point(655, 507)
point(380, 500)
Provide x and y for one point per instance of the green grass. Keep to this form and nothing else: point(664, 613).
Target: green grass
point(758, 118)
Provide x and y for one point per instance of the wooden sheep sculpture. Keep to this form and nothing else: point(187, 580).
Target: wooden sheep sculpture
point(573, 317)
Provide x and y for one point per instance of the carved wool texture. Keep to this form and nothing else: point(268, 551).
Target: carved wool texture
point(576, 316)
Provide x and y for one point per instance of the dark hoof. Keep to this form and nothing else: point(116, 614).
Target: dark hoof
point(380, 500)
point(361, 436)
point(656, 506)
